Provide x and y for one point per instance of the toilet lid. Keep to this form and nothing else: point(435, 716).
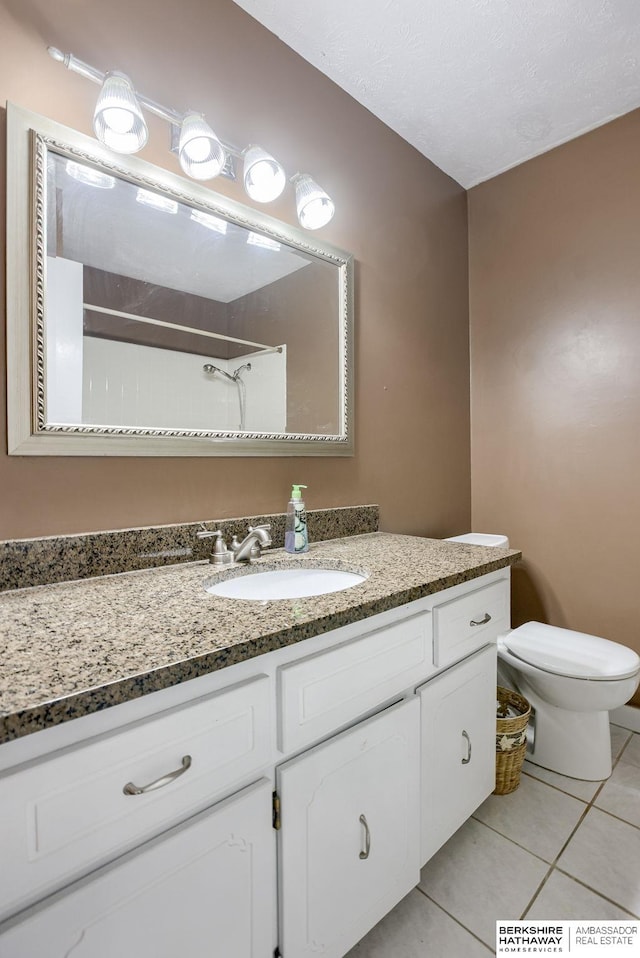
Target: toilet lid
point(574, 654)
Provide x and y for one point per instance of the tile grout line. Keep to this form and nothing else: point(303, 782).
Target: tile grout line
point(602, 782)
point(589, 805)
point(553, 866)
point(537, 891)
point(617, 817)
point(589, 888)
point(614, 765)
point(453, 918)
point(512, 840)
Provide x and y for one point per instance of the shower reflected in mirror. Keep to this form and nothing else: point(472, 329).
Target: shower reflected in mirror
point(234, 377)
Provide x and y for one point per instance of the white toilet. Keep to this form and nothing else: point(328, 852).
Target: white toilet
point(572, 680)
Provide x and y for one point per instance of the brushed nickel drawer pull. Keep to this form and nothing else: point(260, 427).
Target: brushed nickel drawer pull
point(465, 735)
point(367, 838)
point(483, 621)
point(131, 789)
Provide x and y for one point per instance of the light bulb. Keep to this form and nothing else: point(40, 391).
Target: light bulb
point(118, 121)
point(315, 208)
point(197, 149)
point(264, 178)
point(200, 152)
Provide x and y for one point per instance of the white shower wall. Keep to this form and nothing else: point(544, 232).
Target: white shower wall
point(132, 385)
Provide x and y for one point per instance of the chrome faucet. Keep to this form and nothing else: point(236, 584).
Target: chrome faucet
point(254, 542)
point(251, 547)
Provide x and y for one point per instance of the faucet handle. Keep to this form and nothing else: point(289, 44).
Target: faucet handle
point(266, 525)
point(204, 533)
point(220, 554)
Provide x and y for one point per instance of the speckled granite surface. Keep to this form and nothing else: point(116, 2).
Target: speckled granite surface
point(73, 648)
point(29, 562)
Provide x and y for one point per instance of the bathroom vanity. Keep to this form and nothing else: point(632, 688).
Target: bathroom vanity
point(294, 765)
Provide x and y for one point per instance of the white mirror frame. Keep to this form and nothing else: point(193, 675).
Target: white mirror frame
point(28, 138)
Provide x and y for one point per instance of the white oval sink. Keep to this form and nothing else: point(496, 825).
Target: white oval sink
point(285, 584)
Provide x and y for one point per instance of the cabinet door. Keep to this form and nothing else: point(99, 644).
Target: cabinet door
point(458, 746)
point(348, 842)
point(66, 815)
point(203, 890)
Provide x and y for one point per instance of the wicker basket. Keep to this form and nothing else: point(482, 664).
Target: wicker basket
point(511, 740)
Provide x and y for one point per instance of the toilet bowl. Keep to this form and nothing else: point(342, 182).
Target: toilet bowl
point(572, 680)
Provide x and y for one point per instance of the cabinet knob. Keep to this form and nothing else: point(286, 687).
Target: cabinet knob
point(367, 838)
point(131, 789)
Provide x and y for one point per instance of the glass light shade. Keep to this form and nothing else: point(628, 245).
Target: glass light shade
point(117, 120)
point(200, 152)
point(313, 206)
point(264, 178)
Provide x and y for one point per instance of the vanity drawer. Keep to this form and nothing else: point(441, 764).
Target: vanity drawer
point(69, 813)
point(465, 624)
point(325, 691)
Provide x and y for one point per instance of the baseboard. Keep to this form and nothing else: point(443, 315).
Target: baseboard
point(628, 716)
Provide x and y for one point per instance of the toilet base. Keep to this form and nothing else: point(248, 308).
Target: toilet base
point(576, 744)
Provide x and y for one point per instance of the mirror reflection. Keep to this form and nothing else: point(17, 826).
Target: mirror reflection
point(160, 315)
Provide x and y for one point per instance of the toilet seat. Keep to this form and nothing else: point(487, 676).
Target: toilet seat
point(575, 655)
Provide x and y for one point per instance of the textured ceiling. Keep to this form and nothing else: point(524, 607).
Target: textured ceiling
point(477, 86)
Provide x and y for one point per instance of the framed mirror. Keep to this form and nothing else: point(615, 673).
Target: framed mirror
point(147, 315)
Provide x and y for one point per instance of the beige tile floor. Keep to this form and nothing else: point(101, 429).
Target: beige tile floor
point(555, 848)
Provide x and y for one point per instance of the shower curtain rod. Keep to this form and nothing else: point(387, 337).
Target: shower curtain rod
point(182, 329)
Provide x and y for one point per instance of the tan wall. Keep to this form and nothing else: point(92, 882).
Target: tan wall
point(301, 311)
point(403, 219)
point(555, 342)
point(157, 302)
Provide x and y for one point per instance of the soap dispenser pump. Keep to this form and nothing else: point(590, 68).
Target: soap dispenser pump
point(296, 538)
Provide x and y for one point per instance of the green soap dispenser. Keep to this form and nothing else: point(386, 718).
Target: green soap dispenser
point(296, 538)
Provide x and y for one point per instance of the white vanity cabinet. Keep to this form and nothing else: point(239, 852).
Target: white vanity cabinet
point(458, 746)
point(458, 708)
point(201, 890)
point(377, 740)
point(350, 817)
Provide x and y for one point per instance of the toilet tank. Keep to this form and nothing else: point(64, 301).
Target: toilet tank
point(481, 539)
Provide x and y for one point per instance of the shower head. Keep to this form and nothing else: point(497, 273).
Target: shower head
point(208, 368)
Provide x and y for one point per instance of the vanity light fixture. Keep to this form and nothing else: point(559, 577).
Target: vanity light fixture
point(264, 178)
point(119, 123)
point(314, 207)
point(200, 152)
point(117, 120)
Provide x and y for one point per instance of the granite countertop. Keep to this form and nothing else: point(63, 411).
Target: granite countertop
point(74, 648)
